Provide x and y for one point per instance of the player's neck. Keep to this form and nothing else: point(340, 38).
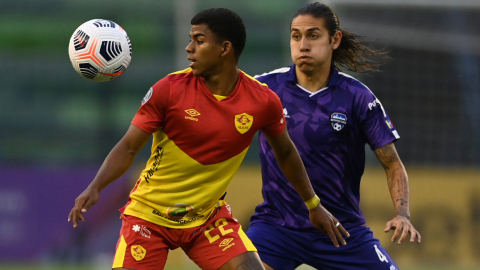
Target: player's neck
point(314, 80)
point(222, 83)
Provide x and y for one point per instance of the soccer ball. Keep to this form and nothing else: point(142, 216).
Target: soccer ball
point(337, 126)
point(100, 50)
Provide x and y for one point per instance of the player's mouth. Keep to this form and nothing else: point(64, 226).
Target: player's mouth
point(192, 61)
point(304, 58)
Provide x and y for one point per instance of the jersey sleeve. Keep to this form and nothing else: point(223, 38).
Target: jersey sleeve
point(376, 125)
point(274, 115)
point(151, 114)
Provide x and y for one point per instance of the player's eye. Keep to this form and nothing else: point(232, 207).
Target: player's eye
point(199, 41)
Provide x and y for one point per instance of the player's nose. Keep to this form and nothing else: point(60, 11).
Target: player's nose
point(189, 48)
point(304, 44)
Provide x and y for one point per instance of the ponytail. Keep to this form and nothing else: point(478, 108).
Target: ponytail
point(354, 55)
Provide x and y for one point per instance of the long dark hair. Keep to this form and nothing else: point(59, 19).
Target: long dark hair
point(352, 54)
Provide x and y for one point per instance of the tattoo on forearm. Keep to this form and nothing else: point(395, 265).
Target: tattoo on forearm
point(386, 155)
point(397, 178)
point(381, 157)
point(398, 184)
point(391, 175)
point(403, 202)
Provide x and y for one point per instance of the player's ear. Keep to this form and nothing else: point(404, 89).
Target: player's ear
point(336, 39)
point(226, 47)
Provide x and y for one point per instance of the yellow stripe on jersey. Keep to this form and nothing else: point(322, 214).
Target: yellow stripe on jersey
point(181, 71)
point(120, 254)
point(180, 192)
point(246, 241)
point(253, 79)
point(248, 76)
point(219, 98)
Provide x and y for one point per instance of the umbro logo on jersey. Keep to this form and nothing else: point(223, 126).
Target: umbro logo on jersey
point(192, 113)
point(227, 243)
point(285, 113)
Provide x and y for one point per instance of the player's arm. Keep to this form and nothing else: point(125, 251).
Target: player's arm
point(292, 167)
point(115, 165)
point(399, 191)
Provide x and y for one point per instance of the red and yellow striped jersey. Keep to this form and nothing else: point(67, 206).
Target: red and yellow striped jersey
point(198, 145)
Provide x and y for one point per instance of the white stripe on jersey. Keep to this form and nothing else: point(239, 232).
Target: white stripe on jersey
point(279, 70)
point(376, 99)
point(310, 92)
point(396, 134)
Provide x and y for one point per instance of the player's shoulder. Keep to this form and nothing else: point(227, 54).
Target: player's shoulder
point(253, 83)
point(177, 76)
point(180, 75)
point(275, 77)
point(258, 88)
point(352, 84)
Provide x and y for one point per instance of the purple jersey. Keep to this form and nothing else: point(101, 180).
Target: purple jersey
point(330, 129)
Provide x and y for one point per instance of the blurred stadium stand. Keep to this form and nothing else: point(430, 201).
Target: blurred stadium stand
point(56, 127)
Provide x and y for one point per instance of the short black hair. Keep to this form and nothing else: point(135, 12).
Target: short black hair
point(226, 25)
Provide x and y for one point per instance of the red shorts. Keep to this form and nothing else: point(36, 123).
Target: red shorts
point(144, 245)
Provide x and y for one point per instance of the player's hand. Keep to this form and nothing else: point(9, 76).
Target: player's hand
point(83, 203)
point(327, 223)
point(402, 227)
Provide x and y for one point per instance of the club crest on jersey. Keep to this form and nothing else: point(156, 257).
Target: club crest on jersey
point(179, 210)
point(338, 121)
point(138, 252)
point(243, 122)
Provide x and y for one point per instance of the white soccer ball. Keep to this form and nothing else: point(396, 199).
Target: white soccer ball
point(337, 126)
point(100, 50)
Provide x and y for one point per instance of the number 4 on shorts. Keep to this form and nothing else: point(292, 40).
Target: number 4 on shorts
point(381, 257)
